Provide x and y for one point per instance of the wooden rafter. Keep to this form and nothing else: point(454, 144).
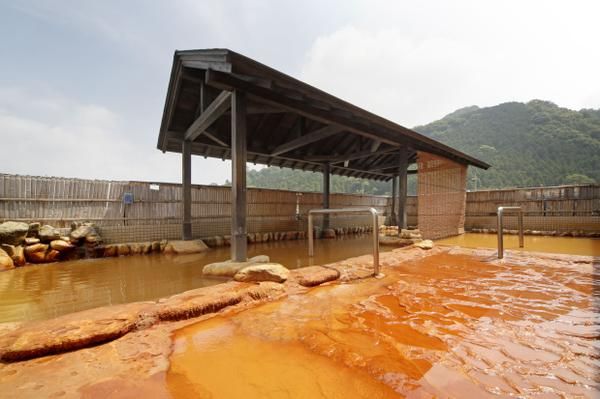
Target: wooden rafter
point(217, 108)
point(308, 138)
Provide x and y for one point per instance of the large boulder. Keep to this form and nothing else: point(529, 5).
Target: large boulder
point(315, 275)
point(425, 244)
point(82, 232)
point(410, 234)
point(16, 253)
point(396, 241)
point(52, 256)
point(36, 253)
point(185, 247)
point(61, 246)
point(110, 250)
point(13, 233)
point(123, 249)
point(6, 262)
point(48, 233)
point(230, 268)
point(18, 256)
point(263, 272)
point(31, 240)
point(34, 228)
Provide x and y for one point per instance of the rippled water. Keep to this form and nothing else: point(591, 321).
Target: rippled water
point(46, 291)
point(445, 326)
point(562, 245)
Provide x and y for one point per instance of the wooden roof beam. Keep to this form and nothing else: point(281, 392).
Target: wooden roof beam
point(217, 108)
point(384, 131)
point(308, 138)
point(351, 156)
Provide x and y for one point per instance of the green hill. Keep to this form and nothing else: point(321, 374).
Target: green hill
point(532, 144)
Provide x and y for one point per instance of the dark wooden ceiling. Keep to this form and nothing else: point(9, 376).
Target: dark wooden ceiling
point(290, 124)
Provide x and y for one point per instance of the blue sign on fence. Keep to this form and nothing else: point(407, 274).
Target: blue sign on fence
point(128, 198)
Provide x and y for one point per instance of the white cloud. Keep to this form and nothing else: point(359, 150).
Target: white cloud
point(53, 136)
point(414, 65)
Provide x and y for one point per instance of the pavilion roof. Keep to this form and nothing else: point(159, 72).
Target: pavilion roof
point(289, 123)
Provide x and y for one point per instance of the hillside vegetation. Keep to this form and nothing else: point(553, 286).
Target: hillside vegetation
point(532, 144)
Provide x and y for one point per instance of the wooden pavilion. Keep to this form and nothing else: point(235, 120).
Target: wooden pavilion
point(222, 104)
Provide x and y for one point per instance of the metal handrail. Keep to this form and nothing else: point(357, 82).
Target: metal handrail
point(372, 211)
point(500, 226)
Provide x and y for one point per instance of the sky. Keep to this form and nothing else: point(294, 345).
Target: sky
point(83, 83)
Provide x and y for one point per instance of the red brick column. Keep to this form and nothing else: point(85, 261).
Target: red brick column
point(442, 196)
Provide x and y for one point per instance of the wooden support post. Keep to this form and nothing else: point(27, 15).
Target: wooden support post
point(326, 188)
point(186, 185)
point(238, 177)
point(393, 220)
point(402, 187)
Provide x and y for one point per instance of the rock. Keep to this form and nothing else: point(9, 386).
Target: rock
point(135, 248)
point(229, 268)
point(31, 240)
point(328, 233)
point(211, 299)
point(251, 238)
point(93, 238)
point(123, 250)
point(263, 272)
point(146, 247)
point(397, 241)
point(52, 256)
point(156, 246)
point(227, 240)
point(266, 237)
point(186, 247)
point(48, 233)
point(61, 246)
point(16, 253)
point(18, 256)
point(425, 244)
point(314, 275)
point(259, 259)
point(224, 269)
point(34, 228)
point(210, 241)
point(13, 233)
point(36, 253)
point(81, 232)
point(8, 249)
point(6, 262)
point(70, 332)
point(163, 244)
point(110, 251)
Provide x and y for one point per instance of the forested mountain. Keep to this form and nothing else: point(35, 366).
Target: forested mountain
point(532, 144)
point(298, 180)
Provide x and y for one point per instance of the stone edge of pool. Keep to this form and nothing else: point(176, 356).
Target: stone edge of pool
point(30, 340)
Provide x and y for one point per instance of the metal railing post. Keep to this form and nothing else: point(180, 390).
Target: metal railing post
point(372, 211)
point(500, 229)
point(500, 225)
point(311, 248)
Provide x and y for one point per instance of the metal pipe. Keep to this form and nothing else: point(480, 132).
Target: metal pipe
point(375, 219)
point(500, 227)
